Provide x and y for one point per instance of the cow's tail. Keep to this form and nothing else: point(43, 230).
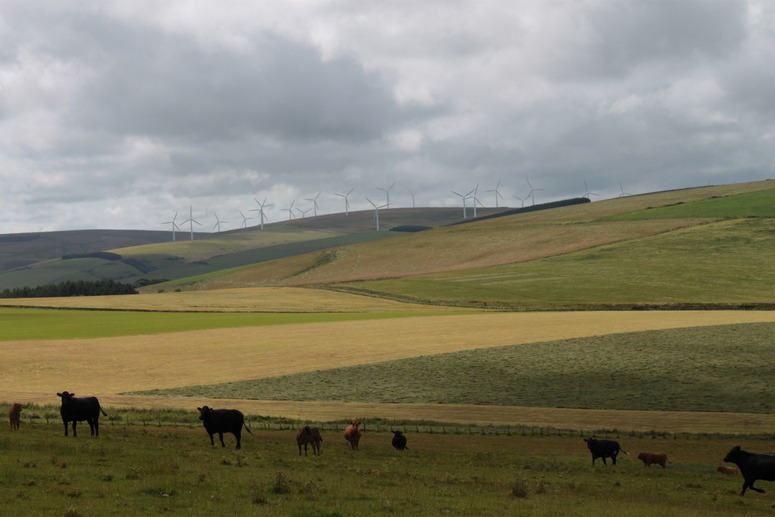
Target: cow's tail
point(622, 450)
point(103, 411)
point(247, 428)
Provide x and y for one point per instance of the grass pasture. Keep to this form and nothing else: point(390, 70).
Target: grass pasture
point(726, 262)
point(140, 471)
point(721, 368)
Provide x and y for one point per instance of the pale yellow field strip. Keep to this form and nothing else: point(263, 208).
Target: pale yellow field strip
point(259, 299)
point(33, 371)
point(465, 414)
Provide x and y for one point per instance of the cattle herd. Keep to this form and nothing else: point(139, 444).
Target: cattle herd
point(74, 409)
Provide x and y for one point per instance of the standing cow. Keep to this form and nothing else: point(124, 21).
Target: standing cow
point(352, 434)
point(752, 466)
point(649, 458)
point(399, 441)
point(604, 449)
point(309, 435)
point(223, 421)
point(77, 409)
point(15, 416)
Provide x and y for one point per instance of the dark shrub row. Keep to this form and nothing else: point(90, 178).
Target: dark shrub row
point(70, 288)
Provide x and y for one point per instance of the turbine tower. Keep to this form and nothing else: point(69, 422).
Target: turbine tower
point(174, 226)
point(387, 194)
point(314, 203)
point(244, 219)
point(532, 192)
point(623, 194)
point(260, 211)
point(474, 198)
point(346, 201)
point(412, 194)
point(303, 212)
point(218, 223)
point(464, 198)
point(376, 211)
point(191, 220)
point(497, 193)
point(289, 210)
point(587, 193)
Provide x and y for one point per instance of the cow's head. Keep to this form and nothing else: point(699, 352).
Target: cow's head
point(642, 456)
point(17, 407)
point(733, 455)
point(204, 412)
point(590, 442)
point(65, 396)
point(397, 433)
point(355, 423)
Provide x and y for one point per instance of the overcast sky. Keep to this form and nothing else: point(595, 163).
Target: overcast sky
point(118, 114)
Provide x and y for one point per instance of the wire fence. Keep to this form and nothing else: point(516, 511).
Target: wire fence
point(453, 429)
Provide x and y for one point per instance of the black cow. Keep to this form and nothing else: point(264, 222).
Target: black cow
point(752, 466)
point(77, 409)
point(399, 440)
point(223, 421)
point(604, 449)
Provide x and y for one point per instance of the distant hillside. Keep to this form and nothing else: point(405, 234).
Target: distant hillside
point(18, 250)
point(34, 259)
point(587, 255)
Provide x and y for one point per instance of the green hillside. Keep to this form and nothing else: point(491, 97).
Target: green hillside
point(704, 246)
point(37, 259)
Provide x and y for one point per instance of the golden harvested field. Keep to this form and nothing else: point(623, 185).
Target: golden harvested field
point(35, 370)
point(285, 300)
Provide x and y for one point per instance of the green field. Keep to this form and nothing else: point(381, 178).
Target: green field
point(727, 262)
point(718, 369)
point(28, 324)
point(751, 204)
point(140, 471)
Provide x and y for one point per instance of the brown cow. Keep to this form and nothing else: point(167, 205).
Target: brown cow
point(729, 471)
point(352, 434)
point(15, 415)
point(307, 435)
point(651, 457)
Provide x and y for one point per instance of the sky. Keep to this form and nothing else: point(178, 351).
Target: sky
point(122, 114)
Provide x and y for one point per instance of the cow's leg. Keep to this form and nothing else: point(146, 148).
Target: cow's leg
point(613, 459)
point(220, 435)
point(750, 485)
point(97, 426)
point(65, 427)
point(238, 435)
point(74, 422)
point(604, 462)
point(212, 442)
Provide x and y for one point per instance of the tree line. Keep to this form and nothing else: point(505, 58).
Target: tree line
point(70, 288)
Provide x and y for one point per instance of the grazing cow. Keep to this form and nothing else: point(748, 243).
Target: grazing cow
point(15, 415)
point(77, 409)
point(399, 441)
point(223, 421)
point(604, 449)
point(729, 471)
point(307, 435)
point(752, 466)
point(650, 457)
point(352, 434)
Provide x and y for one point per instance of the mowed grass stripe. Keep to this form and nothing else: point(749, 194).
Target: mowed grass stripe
point(720, 368)
point(33, 370)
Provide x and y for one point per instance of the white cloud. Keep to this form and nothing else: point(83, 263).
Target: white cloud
point(135, 110)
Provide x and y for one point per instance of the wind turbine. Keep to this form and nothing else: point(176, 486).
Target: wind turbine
point(623, 194)
point(303, 212)
point(376, 211)
point(532, 192)
point(412, 194)
point(218, 223)
point(472, 196)
point(289, 210)
point(588, 193)
point(244, 219)
point(315, 203)
point(260, 210)
point(174, 225)
point(497, 194)
point(387, 194)
point(346, 202)
point(191, 220)
point(461, 196)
